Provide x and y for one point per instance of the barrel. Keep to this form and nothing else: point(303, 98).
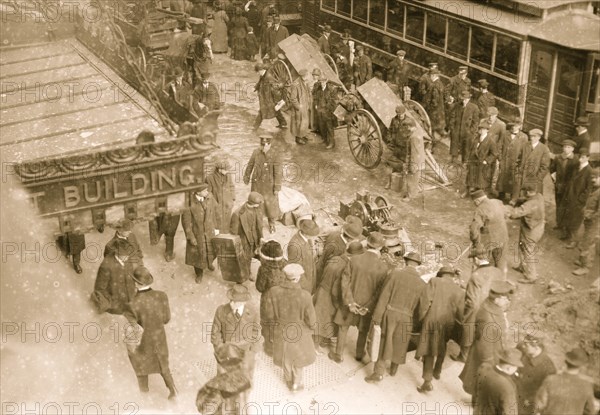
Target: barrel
point(397, 182)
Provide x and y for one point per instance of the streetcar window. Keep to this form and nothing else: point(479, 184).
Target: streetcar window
point(395, 20)
point(436, 31)
point(377, 13)
point(482, 45)
point(344, 7)
point(508, 51)
point(415, 20)
point(328, 4)
point(458, 39)
point(359, 10)
point(569, 73)
point(594, 96)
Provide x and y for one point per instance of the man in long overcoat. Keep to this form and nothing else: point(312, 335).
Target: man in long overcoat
point(336, 243)
point(200, 226)
point(537, 365)
point(247, 222)
point(289, 306)
point(591, 229)
point(488, 230)
point(237, 323)
point(464, 120)
point(399, 72)
point(324, 105)
point(535, 163)
point(363, 67)
point(323, 41)
point(150, 309)
point(510, 153)
point(458, 83)
point(562, 168)
point(579, 188)
point(485, 99)
point(394, 313)
point(300, 96)
point(434, 102)
point(582, 139)
point(532, 216)
point(264, 171)
point(277, 33)
point(114, 287)
point(491, 327)
point(481, 161)
point(495, 383)
point(476, 292)
point(300, 250)
point(497, 126)
point(269, 94)
point(207, 94)
point(440, 310)
point(124, 232)
point(362, 281)
point(220, 185)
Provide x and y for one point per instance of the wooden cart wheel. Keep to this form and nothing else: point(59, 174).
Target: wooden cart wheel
point(140, 58)
point(360, 210)
point(365, 139)
point(421, 115)
point(381, 201)
point(331, 63)
point(281, 72)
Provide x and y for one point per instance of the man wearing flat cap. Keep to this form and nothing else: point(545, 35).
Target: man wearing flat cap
point(323, 41)
point(482, 159)
point(463, 124)
point(363, 67)
point(497, 391)
point(582, 139)
point(269, 95)
point(237, 323)
point(532, 216)
point(399, 72)
point(220, 185)
point(300, 250)
point(535, 163)
point(425, 81)
point(264, 171)
point(200, 223)
point(497, 126)
point(300, 97)
point(247, 222)
point(458, 83)
point(361, 283)
point(562, 168)
point(579, 187)
point(510, 152)
point(491, 329)
point(124, 232)
point(289, 309)
point(485, 99)
point(150, 310)
point(567, 392)
point(537, 365)
point(591, 230)
point(394, 313)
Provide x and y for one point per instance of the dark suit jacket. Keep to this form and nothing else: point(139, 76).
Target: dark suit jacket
point(578, 190)
point(323, 43)
point(114, 287)
point(247, 223)
point(300, 252)
point(535, 165)
point(496, 392)
point(583, 141)
point(479, 174)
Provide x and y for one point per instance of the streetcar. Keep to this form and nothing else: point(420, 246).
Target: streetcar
point(541, 59)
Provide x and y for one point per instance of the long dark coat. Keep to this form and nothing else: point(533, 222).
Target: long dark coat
point(247, 223)
point(334, 246)
point(490, 332)
point(531, 376)
point(221, 187)
point(136, 257)
point(264, 171)
point(564, 393)
point(497, 392)
point(484, 101)
point(270, 274)
point(276, 36)
point(477, 290)
point(328, 299)
point(564, 168)
point(489, 227)
point(300, 96)
point(362, 281)
point(300, 252)
point(496, 131)
point(578, 189)
point(440, 310)
point(456, 86)
point(269, 94)
point(363, 69)
point(434, 104)
point(399, 74)
point(208, 96)
point(114, 287)
point(479, 175)
point(582, 140)
point(510, 152)
point(463, 127)
point(199, 223)
point(394, 312)
point(290, 310)
point(535, 165)
point(150, 309)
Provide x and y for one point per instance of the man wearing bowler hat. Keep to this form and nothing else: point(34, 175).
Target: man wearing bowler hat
point(150, 310)
point(562, 168)
point(247, 222)
point(458, 83)
point(425, 81)
point(362, 280)
point(567, 392)
point(583, 137)
point(482, 158)
point(263, 173)
point(124, 232)
point(300, 250)
point(485, 99)
point(537, 365)
point(323, 41)
point(535, 163)
point(394, 313)
point(491, 329)
point(200, 223)
point(510, 151)
point(497, 391)
point(235, 322)
point(463, 125)
point(337, 241)
point(579, 187)
point(269, 95)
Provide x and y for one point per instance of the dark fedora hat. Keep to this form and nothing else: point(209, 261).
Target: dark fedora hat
point(583, 121)
point(355, 248)
point(238, 292)
point(577, 357)
point(353, 230)
point(309, 227)
point(142, 276)
point(445, 270)
point(511, 357)
point(375, 240)
point(413, 256)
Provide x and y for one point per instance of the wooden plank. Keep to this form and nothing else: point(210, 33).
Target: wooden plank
point(39, 51)
point(40, 64)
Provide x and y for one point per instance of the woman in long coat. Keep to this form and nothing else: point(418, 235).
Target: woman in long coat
point(239, 29)
point(199, 223)
point(300, 96)
point(221, 187)
point(219, 34)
